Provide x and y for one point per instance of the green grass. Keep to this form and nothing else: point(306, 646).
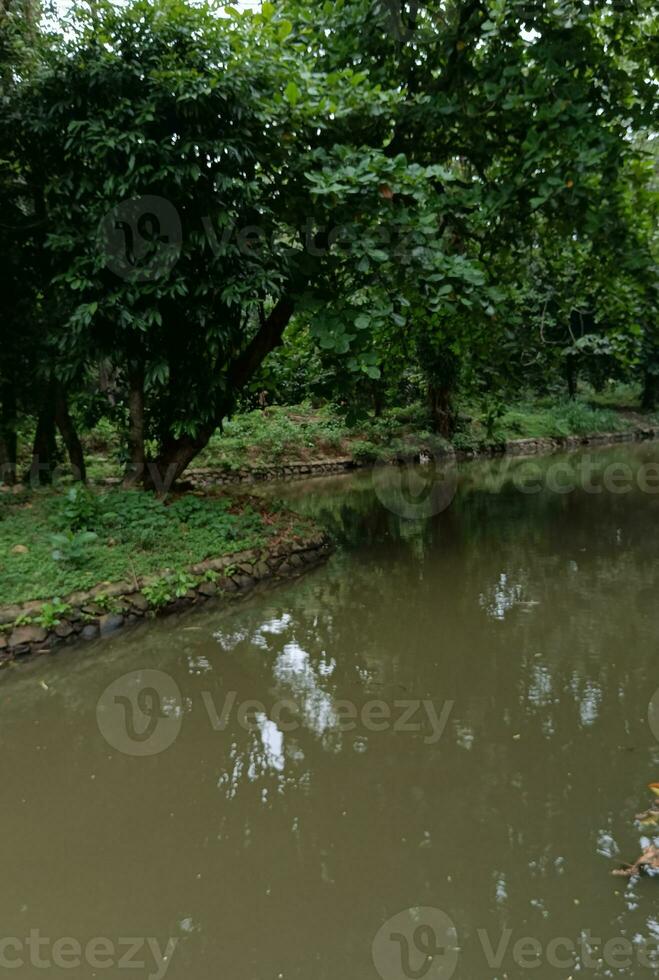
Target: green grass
point(551, 418)
point(78, 539)
point(291, 434)
point(624, 397)
point(299, 433)
point(275, 436)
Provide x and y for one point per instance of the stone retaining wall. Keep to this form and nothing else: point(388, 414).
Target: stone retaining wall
point(203, 478)
point(109, 607)
point(212, 476)
point(532, 447)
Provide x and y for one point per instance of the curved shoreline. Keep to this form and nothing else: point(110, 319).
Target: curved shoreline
point(109, 607)
point(207, 477)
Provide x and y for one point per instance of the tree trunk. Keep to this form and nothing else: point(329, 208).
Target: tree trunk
point(177, 454)
point(68, 430)
point(650, 396)
point(8, 437)
point(571, 375)
point(378, 400)
point(174, 458)
point(441, 410)
point(45, 447)
point(135, 469)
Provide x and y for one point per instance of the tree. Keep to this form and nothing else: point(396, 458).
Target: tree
point(529, 107)
point(202, 178)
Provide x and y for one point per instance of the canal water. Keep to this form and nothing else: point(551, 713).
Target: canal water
point(423, 759)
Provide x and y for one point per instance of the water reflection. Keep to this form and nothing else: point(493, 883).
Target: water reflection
point(285, 843)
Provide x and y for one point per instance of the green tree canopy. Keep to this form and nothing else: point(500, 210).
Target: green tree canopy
point(200, 175)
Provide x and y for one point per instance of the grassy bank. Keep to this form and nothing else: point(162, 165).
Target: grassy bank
point(52, 544)
point(280, 435)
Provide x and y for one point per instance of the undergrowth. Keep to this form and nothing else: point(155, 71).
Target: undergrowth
point(52, 544)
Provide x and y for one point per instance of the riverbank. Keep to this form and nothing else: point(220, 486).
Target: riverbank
point(207, 477)
point(288, 442)
point(84, 564)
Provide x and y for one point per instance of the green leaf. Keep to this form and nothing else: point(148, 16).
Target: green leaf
point(292, 93)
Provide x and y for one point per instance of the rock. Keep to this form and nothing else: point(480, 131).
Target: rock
point(63, 631)
point(27, 634)
point(3, 641)
point(32, 608)
point(207, 589)
point(177, 605)
point(138, 601)
point(109, 623)
point(79, 598)
point(9, 614)
point(91, 609)
point(90, 631)
point(114, 590)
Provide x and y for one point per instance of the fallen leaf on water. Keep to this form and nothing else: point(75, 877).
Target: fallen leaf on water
point(650, 818)
point(648, 861)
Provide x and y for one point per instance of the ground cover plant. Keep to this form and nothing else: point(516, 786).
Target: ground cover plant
point(54, 543)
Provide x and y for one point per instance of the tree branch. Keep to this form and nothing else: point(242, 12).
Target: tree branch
point(266, 339)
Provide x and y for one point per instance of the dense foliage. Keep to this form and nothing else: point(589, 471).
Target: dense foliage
point(354, 200)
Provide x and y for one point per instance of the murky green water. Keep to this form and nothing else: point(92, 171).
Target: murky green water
point(510, 646)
